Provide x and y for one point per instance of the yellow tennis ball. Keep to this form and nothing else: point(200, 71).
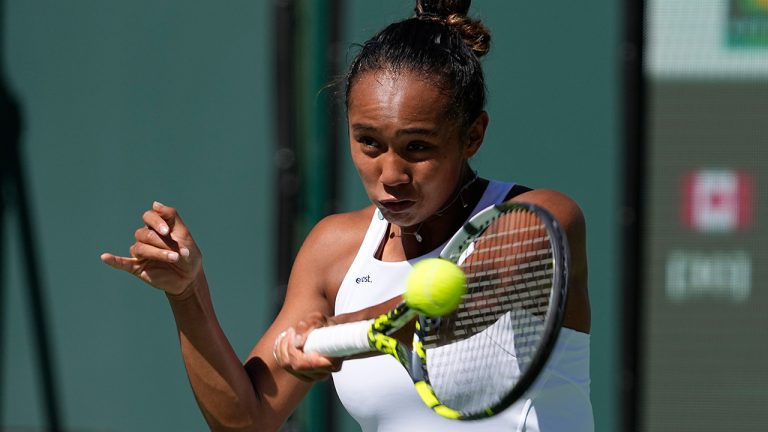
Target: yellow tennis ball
point(435, 286)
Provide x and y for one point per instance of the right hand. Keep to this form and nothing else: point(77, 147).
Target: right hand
point(164, 256)
point(289, 353)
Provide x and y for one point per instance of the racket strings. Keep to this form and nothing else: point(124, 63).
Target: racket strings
point(510, 267)
point(477, 354)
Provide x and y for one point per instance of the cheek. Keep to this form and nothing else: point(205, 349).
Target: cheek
point(439, 181)
point(366, 169)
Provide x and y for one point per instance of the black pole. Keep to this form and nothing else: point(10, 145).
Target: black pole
point(334, 66)
point(633, 211)
point(286, 60)
point(287, 183)
point(333, 143)
point(13, 196)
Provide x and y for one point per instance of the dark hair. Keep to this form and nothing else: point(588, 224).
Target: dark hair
point(441, 44)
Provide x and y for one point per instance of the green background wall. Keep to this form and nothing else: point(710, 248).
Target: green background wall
point(128, 102)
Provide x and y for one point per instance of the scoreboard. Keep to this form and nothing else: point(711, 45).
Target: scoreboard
point(703, 356)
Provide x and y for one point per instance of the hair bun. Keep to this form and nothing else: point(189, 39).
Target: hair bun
point(443, 8)
point(454, 14)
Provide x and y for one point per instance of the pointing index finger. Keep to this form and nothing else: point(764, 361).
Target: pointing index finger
point(118, 262)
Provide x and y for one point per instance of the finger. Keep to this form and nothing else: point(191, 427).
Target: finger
point(302, 327)
point(320, 361)
point(151, 237)
point(287, 351)
point(276, 349)
point(314, 367)
point(155, 221)
point(118, 262)
point(311, 360)
point(292, 356)
point(171, 216)
point(301, 335)
point(144, 251)
point(282, 348)
point(178, 229)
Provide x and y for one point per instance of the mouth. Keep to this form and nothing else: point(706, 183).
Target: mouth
point(397, 206)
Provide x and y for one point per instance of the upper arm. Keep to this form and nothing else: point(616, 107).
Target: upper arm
point(571, 218)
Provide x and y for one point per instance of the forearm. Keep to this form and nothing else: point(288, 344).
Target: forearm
point(220, 383)
point(367, 313)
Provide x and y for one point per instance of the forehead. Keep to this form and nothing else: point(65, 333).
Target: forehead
point(396, 95)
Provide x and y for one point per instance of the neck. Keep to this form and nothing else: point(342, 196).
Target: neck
point(459, 195)
point(439, 227)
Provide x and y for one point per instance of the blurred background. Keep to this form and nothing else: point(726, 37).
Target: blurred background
point(652, 115)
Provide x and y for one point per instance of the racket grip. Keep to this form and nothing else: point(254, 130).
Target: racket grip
point(340, 340)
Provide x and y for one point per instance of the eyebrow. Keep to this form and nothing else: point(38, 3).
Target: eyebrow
point(363, 127)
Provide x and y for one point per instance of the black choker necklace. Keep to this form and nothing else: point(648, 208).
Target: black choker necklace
point(441, 211)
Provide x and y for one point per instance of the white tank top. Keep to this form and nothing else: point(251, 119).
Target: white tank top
point(379, 394)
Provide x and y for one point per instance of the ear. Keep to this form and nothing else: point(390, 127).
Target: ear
point(476, 134)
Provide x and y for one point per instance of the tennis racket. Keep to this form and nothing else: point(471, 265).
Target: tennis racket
point(478, 360)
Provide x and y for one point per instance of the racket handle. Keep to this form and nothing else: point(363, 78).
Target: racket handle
point(340, 340)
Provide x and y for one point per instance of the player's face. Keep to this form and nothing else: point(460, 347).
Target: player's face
point(409, 153)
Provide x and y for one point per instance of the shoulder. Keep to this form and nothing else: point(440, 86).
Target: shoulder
point(332, 245)
point(568, 213)
point(563, 208)
point(340, 231)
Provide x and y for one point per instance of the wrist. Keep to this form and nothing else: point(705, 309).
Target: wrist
point(191, 290)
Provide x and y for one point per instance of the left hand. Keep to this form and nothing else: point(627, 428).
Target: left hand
point(164, 255)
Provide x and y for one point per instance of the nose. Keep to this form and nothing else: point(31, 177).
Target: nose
point(394, 170)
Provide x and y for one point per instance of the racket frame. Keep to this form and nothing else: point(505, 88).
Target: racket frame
point(454, 250)
point(379, 333)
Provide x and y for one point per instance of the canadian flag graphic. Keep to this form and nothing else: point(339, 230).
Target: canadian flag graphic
point(717, 201)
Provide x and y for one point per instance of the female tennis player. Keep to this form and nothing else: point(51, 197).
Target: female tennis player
point(415, 98)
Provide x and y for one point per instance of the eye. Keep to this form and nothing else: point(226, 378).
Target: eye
point(417, 146)
point(367, 141)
